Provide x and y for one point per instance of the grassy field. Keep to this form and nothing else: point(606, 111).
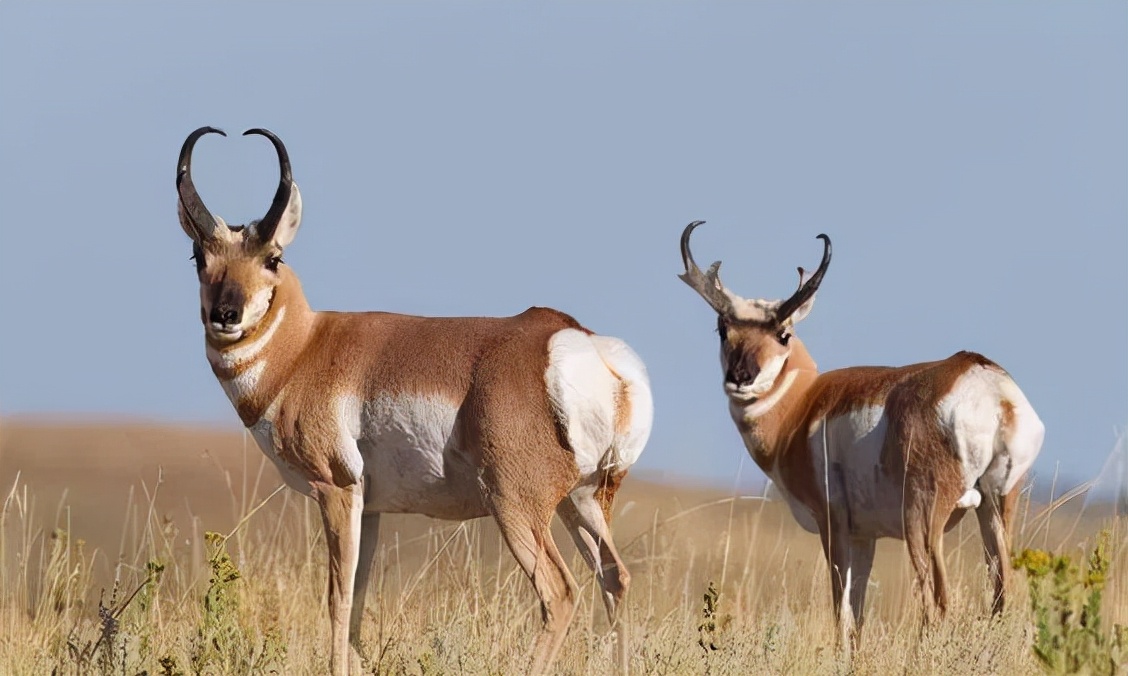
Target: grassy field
point(105, 568)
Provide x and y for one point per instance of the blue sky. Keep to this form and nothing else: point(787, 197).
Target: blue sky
point(969, 160)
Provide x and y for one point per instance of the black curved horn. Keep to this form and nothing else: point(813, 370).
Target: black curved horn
point(201, 218)
point(706, 284)
point(687, 255)
point(269, 223)
point(804, 292)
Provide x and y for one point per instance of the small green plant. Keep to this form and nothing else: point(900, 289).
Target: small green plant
point(1066, 603)
point(222, 642)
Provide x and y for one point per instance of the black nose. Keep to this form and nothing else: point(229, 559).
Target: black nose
point(225, 314)
point(738, 375)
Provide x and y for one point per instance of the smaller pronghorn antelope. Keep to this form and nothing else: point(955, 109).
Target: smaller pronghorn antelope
point(870, 451)
point(456, 418)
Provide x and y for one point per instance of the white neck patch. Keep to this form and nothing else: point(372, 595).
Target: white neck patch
point(244, 383)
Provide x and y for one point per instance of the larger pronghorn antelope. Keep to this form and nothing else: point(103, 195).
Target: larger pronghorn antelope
point(456, 418)
point(867, 452)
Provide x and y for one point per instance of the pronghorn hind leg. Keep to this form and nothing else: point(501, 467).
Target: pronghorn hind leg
point(369, 539)
point(939, 569)
point(995, 514)
point(530, 539)
point(584, 516)
point(917, 541)
point(341, 515)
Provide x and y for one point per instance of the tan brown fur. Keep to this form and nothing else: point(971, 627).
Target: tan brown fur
point(914, 470)
point(480, 386)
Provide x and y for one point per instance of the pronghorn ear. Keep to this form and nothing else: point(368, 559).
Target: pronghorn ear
point(194, 232)
point(801, 312)
point(290, 220)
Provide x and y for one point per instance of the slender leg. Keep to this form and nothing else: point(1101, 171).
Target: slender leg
point(995, 513)
point(585, 520)
point(369, 538)
point(530, 539)
point(861, 563)
point(916, 521)
point(943, 510)
point(837, 552)
point(341, 516)
point(939, 573)
point(850, 561)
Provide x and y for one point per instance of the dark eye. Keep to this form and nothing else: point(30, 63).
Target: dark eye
point(273, 262)
point(198, 257)
point(784, 337)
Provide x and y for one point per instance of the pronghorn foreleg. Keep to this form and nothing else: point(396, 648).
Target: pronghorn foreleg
point(341, 515)
point(369, 539)
point(849, 562)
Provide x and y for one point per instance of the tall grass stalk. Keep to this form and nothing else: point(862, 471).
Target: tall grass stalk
point(448, 598)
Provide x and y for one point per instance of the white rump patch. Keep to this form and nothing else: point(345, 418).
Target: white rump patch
point(585, 376)
point(972, 413)
point(628, 366)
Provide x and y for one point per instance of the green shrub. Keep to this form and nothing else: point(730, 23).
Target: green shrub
point(1066, 603)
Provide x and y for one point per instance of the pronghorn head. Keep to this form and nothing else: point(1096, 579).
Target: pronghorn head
point(240, 266)
point(755, 333)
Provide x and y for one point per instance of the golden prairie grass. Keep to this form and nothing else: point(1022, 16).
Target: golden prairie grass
point(448, 598)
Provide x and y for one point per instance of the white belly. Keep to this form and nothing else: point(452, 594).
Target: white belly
point(411, 459)
point(846, 451)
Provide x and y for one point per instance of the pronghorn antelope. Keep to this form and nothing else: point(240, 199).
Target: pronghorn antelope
point(456, 418)
point(866, 452)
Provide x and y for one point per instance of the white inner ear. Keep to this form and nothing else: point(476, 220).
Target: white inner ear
point(291, 219)
point(801, 313)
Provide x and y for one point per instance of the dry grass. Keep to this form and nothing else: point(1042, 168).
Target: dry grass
point(449, 598)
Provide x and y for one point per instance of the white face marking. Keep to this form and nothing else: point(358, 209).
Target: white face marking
point(253, 312)
point(764, 382)
point(238, 355)
point(752, 309)
point(256, 309)
point(762, 406)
